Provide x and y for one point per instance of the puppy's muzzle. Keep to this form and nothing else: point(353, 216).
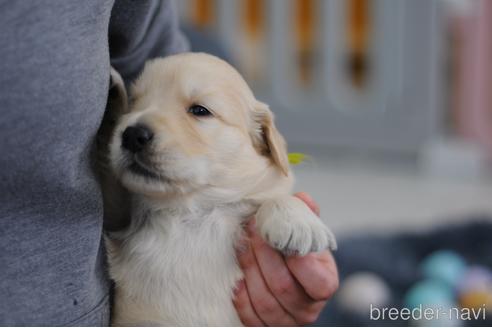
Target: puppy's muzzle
point(136, 138)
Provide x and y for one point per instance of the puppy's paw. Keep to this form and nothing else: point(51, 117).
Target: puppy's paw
point(290, 226)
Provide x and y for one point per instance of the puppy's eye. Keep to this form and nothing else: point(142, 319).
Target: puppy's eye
point(198, 110)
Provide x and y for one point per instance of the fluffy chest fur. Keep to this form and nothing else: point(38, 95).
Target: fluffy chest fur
point(178, 269)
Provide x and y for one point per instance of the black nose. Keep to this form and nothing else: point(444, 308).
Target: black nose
point(135, 138)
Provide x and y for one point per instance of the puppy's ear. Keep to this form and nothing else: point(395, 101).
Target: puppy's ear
point(117, 105)
point(266, 138)
point(115, 196)
point(117, 97)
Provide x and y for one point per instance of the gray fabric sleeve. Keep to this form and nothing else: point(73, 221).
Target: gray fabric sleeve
point(141, 30)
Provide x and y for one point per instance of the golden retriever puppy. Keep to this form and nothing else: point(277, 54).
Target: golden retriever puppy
point(199, 155)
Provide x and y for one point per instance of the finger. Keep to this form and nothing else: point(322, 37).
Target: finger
point(284, 287)
point(264, 303)
point(316, 273)
point(306, 198)
point(244, 308)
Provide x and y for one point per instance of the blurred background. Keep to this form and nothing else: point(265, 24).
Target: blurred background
point(391, 101)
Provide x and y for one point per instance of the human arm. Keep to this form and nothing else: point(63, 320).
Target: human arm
point(142, 30)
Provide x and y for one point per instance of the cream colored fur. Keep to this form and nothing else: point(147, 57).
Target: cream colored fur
point(175, 264)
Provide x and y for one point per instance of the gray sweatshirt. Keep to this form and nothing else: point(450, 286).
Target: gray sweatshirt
point(54, 74)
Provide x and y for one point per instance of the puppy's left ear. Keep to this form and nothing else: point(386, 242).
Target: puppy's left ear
point(266, 138)
point(117, 97)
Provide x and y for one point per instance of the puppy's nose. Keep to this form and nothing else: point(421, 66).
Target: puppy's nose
point(135, 138)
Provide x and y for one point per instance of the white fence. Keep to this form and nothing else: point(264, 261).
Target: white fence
point(358, 74)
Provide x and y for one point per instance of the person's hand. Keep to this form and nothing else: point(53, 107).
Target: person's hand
point(279, 290)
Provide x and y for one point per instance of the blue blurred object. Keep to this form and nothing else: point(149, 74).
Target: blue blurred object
point(429, 293)
point(436, 295)
point(444, 265)
point(397, 259)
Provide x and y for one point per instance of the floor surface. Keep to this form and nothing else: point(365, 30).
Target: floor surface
point(355, 196)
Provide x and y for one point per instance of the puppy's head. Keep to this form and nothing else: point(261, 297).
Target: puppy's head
point(193, 125)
